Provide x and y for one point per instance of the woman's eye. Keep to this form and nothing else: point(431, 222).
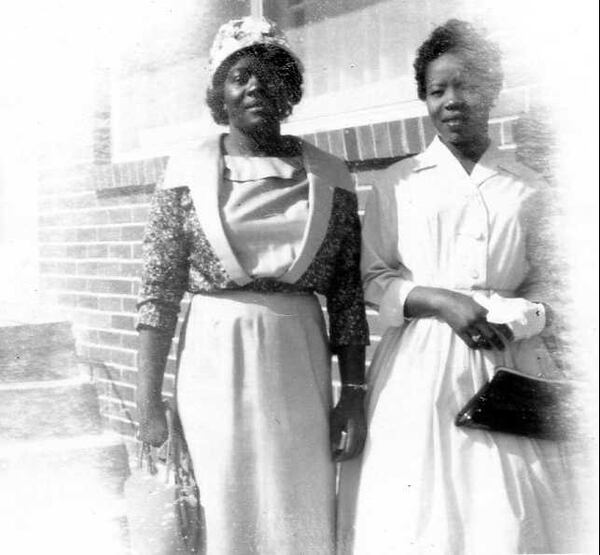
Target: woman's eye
point(436, 93)
point(239, 78)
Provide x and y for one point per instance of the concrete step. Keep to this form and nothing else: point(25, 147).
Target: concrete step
point(64, 495)
point(47, 363)
point(36, 351)
point(48, 409)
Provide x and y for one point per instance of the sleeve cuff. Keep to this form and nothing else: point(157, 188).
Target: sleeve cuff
point(153, 315)
point(391, 306)
point(526, 319)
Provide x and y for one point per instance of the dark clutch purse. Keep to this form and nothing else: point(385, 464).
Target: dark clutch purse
point(517, 403)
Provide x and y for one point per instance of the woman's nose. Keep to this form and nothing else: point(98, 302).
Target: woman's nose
point(454, 99)
point(256, 83)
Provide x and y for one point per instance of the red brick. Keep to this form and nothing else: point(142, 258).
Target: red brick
point(310, 138)
point(96, 217)
point(119, 215)
point(55, 235)
point(129, 376)
point(507, 132)
point(68, 299)
point(132, 233)
point(129, 305)
point(53, 251)
point(111, 304)
point(366, 144)
point(322, 140)
point(121, 427)
point(140, 214)
point(495, 132)
point(137, 251)
point(92, 319)
point(119, 251)
point(114, 286)
point(76, 284)
point(76, 251)
point(132, 269)
point(78, 201)
point(428, 130)
point(383, 148)
point(397, 138)
point(109, 338)
point(88, 335)
point(100, 354)
point(124, 358)
point(109, 234)
point(414, 142)
point(130, 341)
point(97, 251)
point(85, 301)
point(351, 144)
point(123, 322)
point(86, 235)
point(336, 143)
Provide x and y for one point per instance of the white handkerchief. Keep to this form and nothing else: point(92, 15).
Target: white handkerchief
point(525, 318)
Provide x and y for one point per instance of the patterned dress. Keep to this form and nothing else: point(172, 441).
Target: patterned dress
point(254, 377)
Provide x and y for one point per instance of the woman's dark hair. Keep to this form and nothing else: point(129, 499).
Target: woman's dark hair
point(483, 54)
point(287, 70)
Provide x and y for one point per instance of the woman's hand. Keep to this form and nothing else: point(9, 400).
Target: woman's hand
point(468, 319)
point(348, 427)
point(152, 423)
point(152, 357)
point(465, 316)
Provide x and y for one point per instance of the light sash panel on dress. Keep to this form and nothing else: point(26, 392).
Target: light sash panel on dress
point(264, 208)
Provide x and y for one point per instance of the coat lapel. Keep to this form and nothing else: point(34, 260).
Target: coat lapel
point(201, 171)
point(320, 201)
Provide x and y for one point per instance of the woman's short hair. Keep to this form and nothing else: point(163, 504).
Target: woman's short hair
point(286, 68)
point(453, 35)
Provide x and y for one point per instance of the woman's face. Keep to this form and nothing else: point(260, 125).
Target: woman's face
point(457, 100)
point(253, 94)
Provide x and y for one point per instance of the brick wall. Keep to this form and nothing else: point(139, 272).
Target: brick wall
point(91, 222)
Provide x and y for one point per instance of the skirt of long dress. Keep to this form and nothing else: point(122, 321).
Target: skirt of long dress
point(427, 486)
point(254, 395)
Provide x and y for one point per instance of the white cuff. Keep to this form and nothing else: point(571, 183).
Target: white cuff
point(391, 306)
point(524, 318)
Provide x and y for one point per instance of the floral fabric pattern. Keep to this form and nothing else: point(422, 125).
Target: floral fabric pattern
point(179, 258)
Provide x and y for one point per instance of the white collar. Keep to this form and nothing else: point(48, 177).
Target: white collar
point(492, 162)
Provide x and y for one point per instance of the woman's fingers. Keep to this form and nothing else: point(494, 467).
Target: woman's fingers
point(504, 331)
point(485, 335)
point(348, 430)
point(153, 429)
point(490, 337)
point(468, 339)
point(352, 442)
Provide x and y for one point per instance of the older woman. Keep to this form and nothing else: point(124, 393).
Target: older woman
point(448, 262)
point(254, 223)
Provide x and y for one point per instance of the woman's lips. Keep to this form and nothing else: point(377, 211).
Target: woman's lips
point(257, 107)
point(455, 121)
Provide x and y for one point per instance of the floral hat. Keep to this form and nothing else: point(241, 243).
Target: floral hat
point(237, 34)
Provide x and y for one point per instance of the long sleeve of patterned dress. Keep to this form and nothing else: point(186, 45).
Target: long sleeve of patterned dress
point(345, 302)
point(166, 262)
